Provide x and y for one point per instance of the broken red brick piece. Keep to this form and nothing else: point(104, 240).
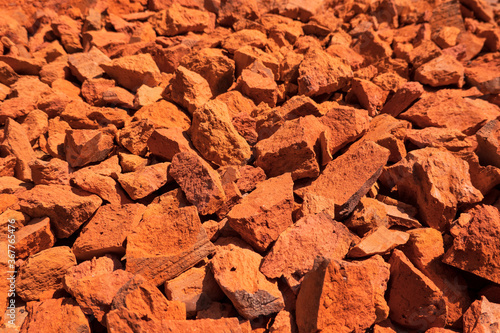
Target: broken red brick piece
point(68, 208)
point(265, 213)
point(41, 276)
point(200, 183)
point(107, 230)
point(87, 146)
point(292, 255)
point(441, 71)
point(349, 177)
point(188, 89)
point(215, 137)
point(437, 192)
point(292, 148)
point(131, 72)
point(403, 98)
point(95, 283)
point(67, 316)
point(414, 300)
point(425, 250)
point(34, 237)
point(381, 240)
point(321, 73)
point(236, 270)
point(196, 288)
point(143, 182)
point(482, 222)
point(167, 243)
point(341, 296)
point(138, 302)
point(482, 316)
point(445, 109)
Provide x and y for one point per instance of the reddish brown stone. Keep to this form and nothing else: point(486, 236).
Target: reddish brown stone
point(188, 89)
point(131, 162)
point(349, 177)
point(16, 142)
point(68, 208)
point(321, 73)
point(265, 213)
point(369, 95)
point(134, 137)
point(292, 148)
point(244, 37)
point(24, 66)
point(179, 20)
point(95, 283)
point(341, 296)
point(381, 240)
point(106, 187)
point(451, 139)
point(236, 270)
point(445, 109)
point(166, 142)
point(164, 114)
point(214, 66)
point(415, 301)
point(200, 183)
point(131, 72)
point(34, 237)
point(139, 303)
point(66, 316)
point(85, 66)
point(425, 250)
point(245, 56)
point(403, 98)
point(436, 192)
point(147, 95)
point(257, 82)
point(293, 254)
point(196, 288)
point(482, 316)
point(143, 182)
point(441, 71)
point(69, 32)
point(7, 75)
point(466, 254)
point(249, 178)
point(488, 148)
point(41, 276)
point(166, 243)
point(87, 146)
point(35, 123)
point(484, 73)
point(107, 230)
point(213, 134)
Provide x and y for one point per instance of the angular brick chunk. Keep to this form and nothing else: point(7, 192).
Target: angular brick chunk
point(265, 213)
point(236, 270)
point(85, 66)
point(188, 89)
point(87, 146)
point(466, 254)
point(341, 296)
point(414, 299)
point(134, 136)
point(164, 114)
point(321, 73)
point(441, 71)
point(215, 137)
point(16, 142)
point(293, 254)
point(178, 20)
point(131, 72)
point(138, 302)
point(107, 230)
point(68, 208)
point(66, 316)
point(482, 316)
point(196, 288)
point(445, 109)
point(403, 98)
point(41, 276)
point(443, 183)
point(34, 237)
point(488, 143)
point(348, 178)
point(106, 187)
point(143, 182)
point(167, 243)
point(166, 142)
point(55, 171)
point(95, 283)
point(257, 82)
point(425, 249)
point(200, 183)
point(369, 95)
point(380, 241)
point(292, 148)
